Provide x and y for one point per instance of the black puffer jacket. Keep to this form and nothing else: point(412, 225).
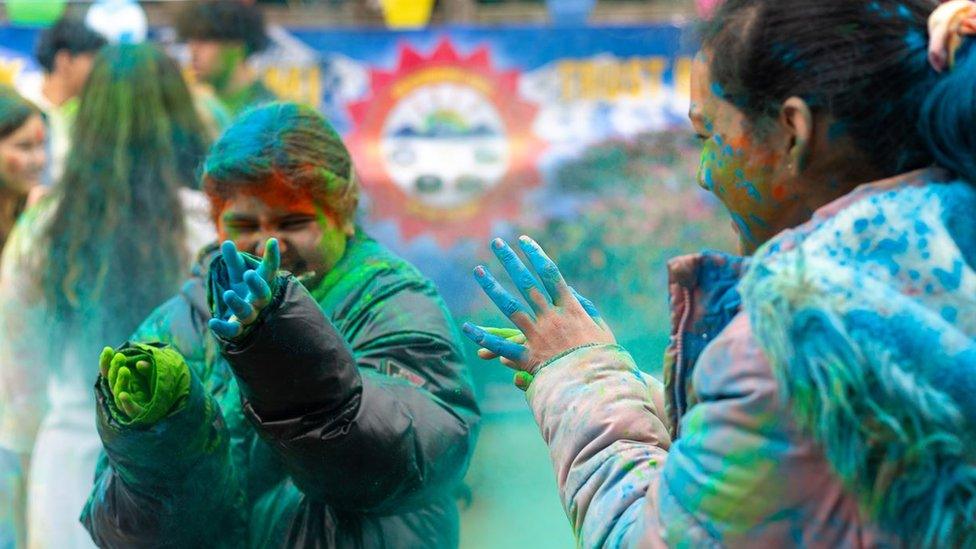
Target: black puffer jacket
point(346, 419)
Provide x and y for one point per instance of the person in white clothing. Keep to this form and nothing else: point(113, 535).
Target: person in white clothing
point(112, 240)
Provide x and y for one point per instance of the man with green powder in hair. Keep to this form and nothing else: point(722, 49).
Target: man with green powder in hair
point(329, 406)
point(221, 36)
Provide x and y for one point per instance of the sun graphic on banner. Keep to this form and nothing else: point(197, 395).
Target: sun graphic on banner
point(443, 143)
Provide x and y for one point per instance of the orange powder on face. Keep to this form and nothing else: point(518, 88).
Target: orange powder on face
point(779, 193)
point(275, 194)
point(283, 197)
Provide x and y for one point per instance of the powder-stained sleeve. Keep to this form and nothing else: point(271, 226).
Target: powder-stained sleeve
point(375, 424)
point(607, 442)
point(171, 484)
point(24, 335)
point(740, 475)
point(24, 362)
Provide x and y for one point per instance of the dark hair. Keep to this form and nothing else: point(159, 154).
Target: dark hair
point(117, 246)
point(227, 20)
point(14, 111)
point(865, 63)
point(283, 143)
point(68, 34)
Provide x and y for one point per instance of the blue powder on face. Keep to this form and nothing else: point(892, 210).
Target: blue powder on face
point(743, 228)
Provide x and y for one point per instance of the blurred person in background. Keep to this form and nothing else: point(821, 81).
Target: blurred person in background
point(22, 159)
point(819, 393)
point(65, 52)
point(221, 36)
point(22, 156)
point(85, 266)
point(337, 411)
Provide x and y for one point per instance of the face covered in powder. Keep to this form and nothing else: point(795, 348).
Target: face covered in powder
point(214, 61)
point(751, 169)
point(311, 239)
point(23, 156)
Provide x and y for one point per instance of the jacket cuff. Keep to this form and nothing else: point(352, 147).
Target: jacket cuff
point(577, 367)
point(165, 451)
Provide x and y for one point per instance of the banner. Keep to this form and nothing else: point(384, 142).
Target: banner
point(576, 136)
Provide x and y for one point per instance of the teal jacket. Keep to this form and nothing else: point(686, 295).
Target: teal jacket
point(345, 418)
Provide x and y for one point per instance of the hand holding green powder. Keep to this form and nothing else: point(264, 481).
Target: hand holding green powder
point(146, 382)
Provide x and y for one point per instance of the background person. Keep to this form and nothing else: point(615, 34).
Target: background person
point(22, 160)
point(221, 36)
point(65, 52)
point(22, 156)
point(85, 265)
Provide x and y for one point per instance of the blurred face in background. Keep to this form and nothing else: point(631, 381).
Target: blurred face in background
point(74, 70)
point(214, 61)
point(311, 239)
point(23, 156)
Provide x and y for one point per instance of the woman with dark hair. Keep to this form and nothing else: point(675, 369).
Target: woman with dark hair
point(22, 160)
point(22, 156)
point(115, 221)
point(819, 393)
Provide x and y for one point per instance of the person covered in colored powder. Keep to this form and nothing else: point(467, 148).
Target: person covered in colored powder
point(65, 52)
point(105, 247)
point(221, 36)
point(328, 407)
point(819, 393)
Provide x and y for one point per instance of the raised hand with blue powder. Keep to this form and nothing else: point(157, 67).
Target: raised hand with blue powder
point(556, 321)
point(248, 291)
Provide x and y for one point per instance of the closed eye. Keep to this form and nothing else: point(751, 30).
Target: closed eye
point(241, 226)
point(295, 223)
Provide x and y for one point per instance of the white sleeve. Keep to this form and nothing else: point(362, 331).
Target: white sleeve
point(24, 338)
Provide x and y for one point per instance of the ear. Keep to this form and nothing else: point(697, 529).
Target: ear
point(796, 120)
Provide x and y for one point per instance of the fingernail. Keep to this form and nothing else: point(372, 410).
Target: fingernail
point(471, 332)
point(498, 243)
point(479, 271)
point(523, 380)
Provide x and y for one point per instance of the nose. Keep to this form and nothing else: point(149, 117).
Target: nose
point(263, 241)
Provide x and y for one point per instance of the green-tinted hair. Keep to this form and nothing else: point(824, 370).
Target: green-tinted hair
point(285, 144)
point(117, 236)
